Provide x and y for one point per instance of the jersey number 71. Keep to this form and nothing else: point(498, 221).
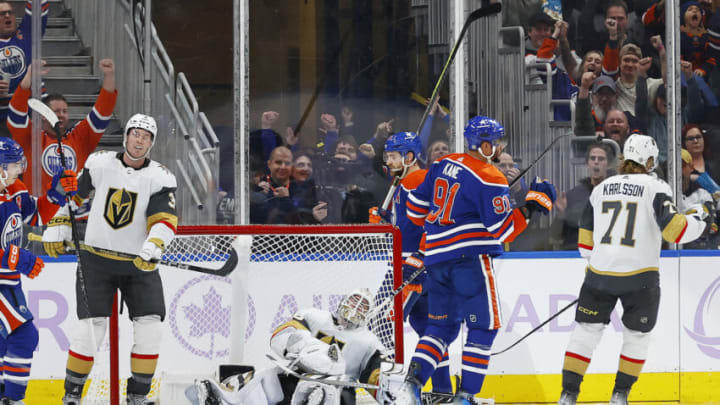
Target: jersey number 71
point(443, 198)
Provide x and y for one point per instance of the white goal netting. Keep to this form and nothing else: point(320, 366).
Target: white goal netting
point(213, 320)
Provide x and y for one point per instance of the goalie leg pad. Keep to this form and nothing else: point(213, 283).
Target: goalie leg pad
point(264, 388)
point(315, 393)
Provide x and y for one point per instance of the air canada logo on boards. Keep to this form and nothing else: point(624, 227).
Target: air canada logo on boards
point(708, 344)
point(12, 231)
point(199, 316)
point(119, 207)
point(12, 62)
point(51, 161)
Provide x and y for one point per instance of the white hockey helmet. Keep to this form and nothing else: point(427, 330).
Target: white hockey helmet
point(141, 121)
point(353, 311)
point(639, 149)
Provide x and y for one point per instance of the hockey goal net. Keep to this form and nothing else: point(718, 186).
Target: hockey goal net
point(214, 320)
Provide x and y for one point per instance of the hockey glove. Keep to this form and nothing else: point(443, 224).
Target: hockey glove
point(149, 255)
point(57, 232)
point(541, 196)
point(378, 215)
point(63, 184)
point(14, 258)
point(414, 289)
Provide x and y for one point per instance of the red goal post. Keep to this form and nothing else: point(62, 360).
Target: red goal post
point(282, 268)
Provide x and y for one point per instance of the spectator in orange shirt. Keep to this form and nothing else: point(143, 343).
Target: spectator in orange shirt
point(78, 141)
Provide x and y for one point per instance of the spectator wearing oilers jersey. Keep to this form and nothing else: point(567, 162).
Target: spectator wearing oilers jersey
point(547, 37)
point(621, 232)
point(15, 52)
point(464, 205)
point(18, 335)
point(78, 142)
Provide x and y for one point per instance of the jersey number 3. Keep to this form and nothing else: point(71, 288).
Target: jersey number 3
point(443, 198)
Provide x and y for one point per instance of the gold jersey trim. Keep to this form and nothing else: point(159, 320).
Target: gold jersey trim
point(621, 274)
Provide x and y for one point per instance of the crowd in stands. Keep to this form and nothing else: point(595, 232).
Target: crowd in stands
point(607, 57)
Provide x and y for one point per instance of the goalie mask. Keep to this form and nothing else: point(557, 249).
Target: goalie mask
point(12, 161)
point(144, 122)
point(353, 311)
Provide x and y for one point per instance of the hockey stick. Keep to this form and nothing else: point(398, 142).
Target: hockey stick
point(486, 11)
point(42, 109)
point(492, 9)
point(223, 271)
point(536, 328)
point(379, 310)
point(525, 170)
point(323, 379)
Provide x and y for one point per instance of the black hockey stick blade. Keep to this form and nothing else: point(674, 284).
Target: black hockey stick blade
point(492, 9)
point(484, 12)
point(536, 328)
point(380, 309)
point(223, 271)
point(537, 159)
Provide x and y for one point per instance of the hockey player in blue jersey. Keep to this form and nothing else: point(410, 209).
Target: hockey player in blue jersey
point(465, 208)
point(18, 335)
point(15, 49)
point(401, 158)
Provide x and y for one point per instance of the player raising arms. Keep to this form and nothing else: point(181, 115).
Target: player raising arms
point(401, 157)
point(465, 207)
point(18, 335)
point(133, 212)
point(621, 232)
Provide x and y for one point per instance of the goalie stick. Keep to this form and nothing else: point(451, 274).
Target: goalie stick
point(323, 379)
point(225, 270)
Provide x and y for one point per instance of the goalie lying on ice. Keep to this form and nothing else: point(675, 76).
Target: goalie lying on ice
point(316, 342)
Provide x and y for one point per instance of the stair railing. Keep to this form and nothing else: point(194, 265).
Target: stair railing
point(186, 142)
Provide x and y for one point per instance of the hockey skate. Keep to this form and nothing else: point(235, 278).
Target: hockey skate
point(71, 399)
point(137, 399)
point(568, 398)
point(619, 398)
point(436, 398)
point(409, 393)
point(205, 393)
point(8, 401)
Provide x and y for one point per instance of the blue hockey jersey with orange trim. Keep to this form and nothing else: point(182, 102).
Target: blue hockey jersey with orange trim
point(411, 232)
point(16, 53)
point(18, 206)
point(464, 204)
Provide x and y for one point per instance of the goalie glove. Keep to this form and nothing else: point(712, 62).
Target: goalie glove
point(150, 254)
point(57, 232)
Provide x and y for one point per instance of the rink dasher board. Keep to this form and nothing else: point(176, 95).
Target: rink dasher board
point(531, 288)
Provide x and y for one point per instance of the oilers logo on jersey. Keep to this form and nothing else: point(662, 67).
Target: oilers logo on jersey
point(120, 207)
point(12, 61)
point(51, 161)
point(12, 231)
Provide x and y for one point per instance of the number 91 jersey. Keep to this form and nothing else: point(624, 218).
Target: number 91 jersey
point(127, 201)
point(465, 205)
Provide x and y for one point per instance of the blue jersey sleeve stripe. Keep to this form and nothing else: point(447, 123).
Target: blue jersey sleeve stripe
point(97, 123)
